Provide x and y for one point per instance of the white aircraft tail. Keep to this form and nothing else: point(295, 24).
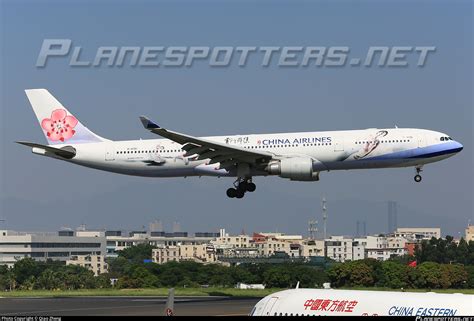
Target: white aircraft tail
point(58, 124)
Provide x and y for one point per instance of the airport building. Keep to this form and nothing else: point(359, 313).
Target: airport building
point(60, 246)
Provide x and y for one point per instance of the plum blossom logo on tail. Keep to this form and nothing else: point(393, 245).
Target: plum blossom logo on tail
point(60, 126)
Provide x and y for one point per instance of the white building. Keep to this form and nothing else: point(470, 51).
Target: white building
point(43, 246)
point(381, 248)
point(118, 241)
point(470, 233)
point(419, 233)
point(271, 246)
point(95, 263)
point(233, 241)
point(201, 253)
point(385, 254)
point(312, 248)
point(339, 248)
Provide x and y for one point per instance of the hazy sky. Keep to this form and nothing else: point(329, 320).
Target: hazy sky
point(43, 194)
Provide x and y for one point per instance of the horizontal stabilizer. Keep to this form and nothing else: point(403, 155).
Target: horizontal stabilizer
point(65, 152)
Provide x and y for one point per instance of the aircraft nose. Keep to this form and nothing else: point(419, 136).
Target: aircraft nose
point(458, 146)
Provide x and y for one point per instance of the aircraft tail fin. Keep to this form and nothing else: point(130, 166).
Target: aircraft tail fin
point(58, 124)
point(169, 309)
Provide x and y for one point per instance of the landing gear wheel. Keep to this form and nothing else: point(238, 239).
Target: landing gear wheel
point(418, 169)
point(251, 187)
point(231, 192)
point(239, 193)
point(243, 186)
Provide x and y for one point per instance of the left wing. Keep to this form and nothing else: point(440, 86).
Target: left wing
point(227, 155)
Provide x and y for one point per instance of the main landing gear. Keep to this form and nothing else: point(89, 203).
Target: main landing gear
point(418, 176)
point(241, 186)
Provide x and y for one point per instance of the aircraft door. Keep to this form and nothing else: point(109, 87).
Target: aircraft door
point(421, 141)
point(110, 152)
point(268, 310)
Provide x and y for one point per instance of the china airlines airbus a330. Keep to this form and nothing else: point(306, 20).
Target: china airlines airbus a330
point(295, 156)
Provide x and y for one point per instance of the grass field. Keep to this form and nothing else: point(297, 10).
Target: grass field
point(143, 292)
point(186, 292)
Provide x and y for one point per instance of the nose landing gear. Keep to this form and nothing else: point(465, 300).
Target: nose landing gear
point(418, 176)
point(241, 186)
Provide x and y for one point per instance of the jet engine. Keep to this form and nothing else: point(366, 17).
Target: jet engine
point(296, 168)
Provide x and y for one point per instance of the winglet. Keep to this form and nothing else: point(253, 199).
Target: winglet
point(148, 124)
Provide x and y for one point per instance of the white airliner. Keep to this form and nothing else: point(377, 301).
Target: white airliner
point(314, 302)
point(295, 156)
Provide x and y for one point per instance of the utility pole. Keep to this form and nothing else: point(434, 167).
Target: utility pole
point(312, 229)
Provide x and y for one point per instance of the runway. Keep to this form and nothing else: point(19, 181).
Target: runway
point(127, 306)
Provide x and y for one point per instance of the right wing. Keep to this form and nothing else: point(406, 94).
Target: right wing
point(227, 155)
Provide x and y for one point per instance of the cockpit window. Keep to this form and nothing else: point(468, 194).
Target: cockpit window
point(442, 139)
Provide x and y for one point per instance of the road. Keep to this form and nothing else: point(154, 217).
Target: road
point(115, 306)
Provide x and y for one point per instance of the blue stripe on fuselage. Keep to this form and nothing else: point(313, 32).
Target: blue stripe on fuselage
point(422, 152)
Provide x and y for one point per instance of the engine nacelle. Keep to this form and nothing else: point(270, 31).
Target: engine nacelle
point(296, 169)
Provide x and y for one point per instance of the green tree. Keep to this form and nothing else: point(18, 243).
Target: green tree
point(277, 277)
point(462, 254)
point(144, 278)
point(137, 253)
point(48, 280)
point(470, 276)
point(394, 275)
point(426, 275)
point(353, 273)
point(117, 266)
point(25, 268)
point(102, 281)
point(453, 276)
point(28, 284)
